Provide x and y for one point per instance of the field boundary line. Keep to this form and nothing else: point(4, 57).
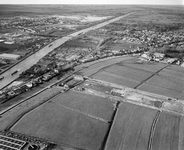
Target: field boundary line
point(29, 110)
point(85, 114)
point(151, 76)
point(181, 134)
point(111, 123)
point(152, 131)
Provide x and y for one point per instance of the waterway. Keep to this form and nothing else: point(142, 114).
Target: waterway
point(34, 58)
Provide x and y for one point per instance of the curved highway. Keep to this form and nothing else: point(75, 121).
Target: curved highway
point(34, 58)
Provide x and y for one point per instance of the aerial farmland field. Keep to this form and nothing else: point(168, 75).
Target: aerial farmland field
point(173, 72)
point(75, 119)
point(95, 67)
point(166, 136)
point(176, 68)
point(177, 80)
point(131, 128)
point(160, 81)
point(80, 44)
point(12, 115)
point(63, 126)
point(145, 66)
point(159, 90)
point(92, 105)
point(100, 97)
point(128, 72)
point(121, 46)
point(117, 79)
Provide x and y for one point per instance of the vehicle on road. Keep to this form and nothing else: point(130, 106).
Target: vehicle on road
point(50, 45)
point(1, 78)
point(15, 72)
point(80, 33)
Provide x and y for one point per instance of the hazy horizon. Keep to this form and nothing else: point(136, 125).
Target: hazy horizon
point(108, 2)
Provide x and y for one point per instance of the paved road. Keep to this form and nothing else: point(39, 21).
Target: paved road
point(33, 59)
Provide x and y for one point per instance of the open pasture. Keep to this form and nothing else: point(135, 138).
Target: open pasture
point(144, 66)
point(159, 90)
point(116, 79)
point(63, 126)
point(166, 135)
point(76, 119)
point(122, 46)
point(80, 44)
point(91, 105)
point(131, 128)
point(161, 81)
point(128, 72)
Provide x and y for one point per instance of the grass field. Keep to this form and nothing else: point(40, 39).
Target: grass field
point(168, 82)
point(1, 65)
point(172, 77)
point(36, 10)
point(172, 72)
point(63, 126)
point(94, 68)
point(176, 68)
point(165, 80)
point(161, 81)
point(131, 128)
point(159, 90)
point(91, 105)
point(12, 115)
point(97, 87)
point(7, 48)
point(121, 46)
point(75, 119)
point(166, 135)
point(117, 79)
point(128, 72)
point(147, 66)
point(81, 44)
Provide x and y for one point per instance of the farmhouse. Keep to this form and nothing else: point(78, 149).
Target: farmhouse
point(158, 55)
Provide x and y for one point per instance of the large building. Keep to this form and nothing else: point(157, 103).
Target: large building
point(9, 56)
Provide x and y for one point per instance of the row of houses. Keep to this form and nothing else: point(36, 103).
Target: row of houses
point(158, 57)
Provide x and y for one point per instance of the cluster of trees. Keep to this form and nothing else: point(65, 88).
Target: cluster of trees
point(3, 49)
point(148, 26)
point(172, 52)
point(38, 70)
point(159, 27)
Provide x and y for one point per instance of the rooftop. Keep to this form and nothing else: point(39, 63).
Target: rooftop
point(9, 56)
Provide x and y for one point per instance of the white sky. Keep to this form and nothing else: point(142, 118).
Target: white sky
point(161, 2)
